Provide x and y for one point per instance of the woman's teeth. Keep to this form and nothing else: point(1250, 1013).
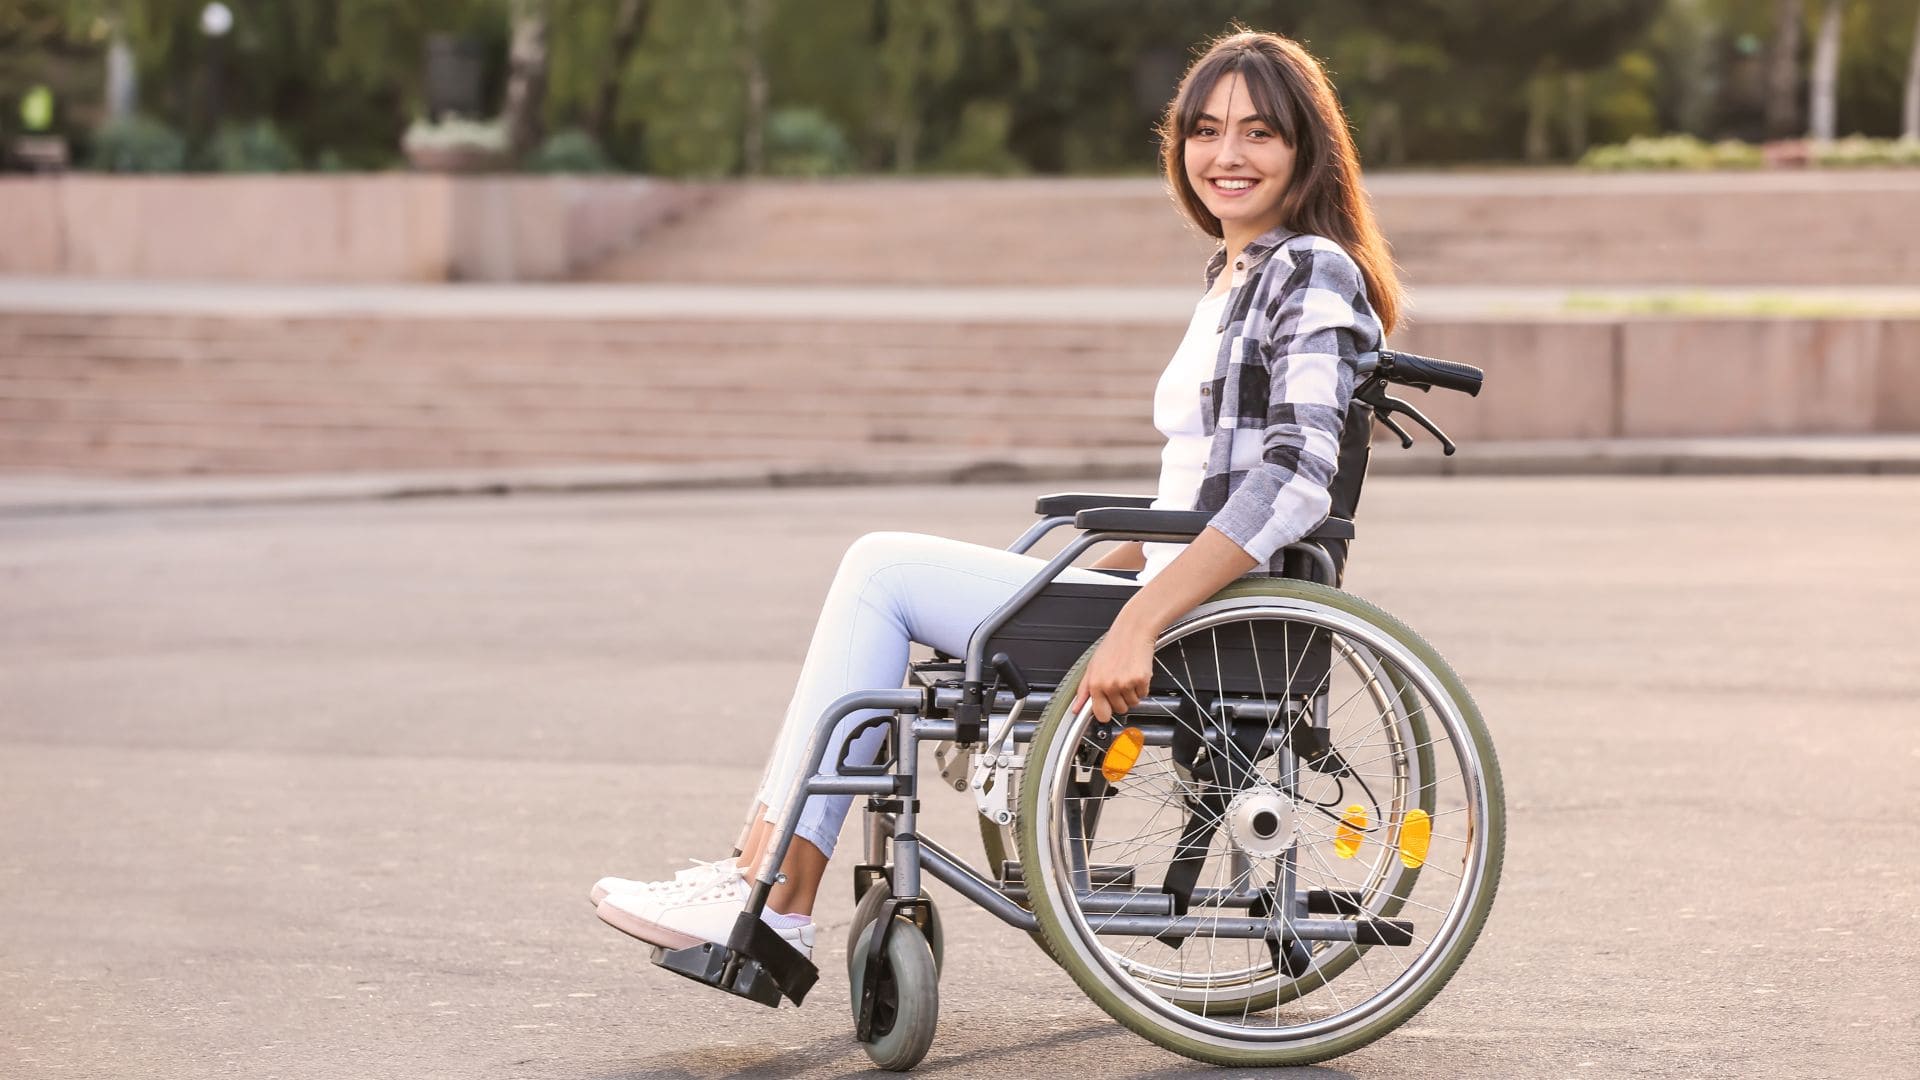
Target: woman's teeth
point(1233, 185)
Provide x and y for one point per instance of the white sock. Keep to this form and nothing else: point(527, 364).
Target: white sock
point(783, 922)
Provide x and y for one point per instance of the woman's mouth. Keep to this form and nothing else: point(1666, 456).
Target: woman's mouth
point(1231, 186)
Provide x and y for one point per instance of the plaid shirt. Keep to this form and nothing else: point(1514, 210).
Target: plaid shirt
point(1294, 328)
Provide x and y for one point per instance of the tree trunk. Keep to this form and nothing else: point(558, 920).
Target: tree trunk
point(627, 24)
point(1826, 75)
point(1783, 70)
point(753, 137)
point(526, 76)
point(1539, 145)
point(1575, 107)
point(123, 77)
point(1910, 113)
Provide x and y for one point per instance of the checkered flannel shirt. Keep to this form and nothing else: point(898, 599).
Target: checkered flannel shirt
point(1295, 326)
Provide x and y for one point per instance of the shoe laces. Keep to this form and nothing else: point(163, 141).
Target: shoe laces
point(725, 885)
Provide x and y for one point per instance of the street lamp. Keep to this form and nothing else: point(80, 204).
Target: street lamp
point(215, 20)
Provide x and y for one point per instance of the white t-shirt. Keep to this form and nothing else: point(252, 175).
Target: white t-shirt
point(1177, 413)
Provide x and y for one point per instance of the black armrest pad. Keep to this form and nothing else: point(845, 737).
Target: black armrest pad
point(1331, 529)
point(1123, 519)
point(1068, 503)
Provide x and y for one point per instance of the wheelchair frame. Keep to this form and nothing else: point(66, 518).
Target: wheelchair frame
point(985, 712)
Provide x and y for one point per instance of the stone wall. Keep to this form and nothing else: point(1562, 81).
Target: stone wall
point(324, 228)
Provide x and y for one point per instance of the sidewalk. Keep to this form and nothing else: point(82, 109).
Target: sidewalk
point(37, 495)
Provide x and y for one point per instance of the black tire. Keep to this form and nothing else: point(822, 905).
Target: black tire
point(907, 1009)
point(868, 909)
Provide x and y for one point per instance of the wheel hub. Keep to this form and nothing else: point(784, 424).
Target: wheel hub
point(1262, 822)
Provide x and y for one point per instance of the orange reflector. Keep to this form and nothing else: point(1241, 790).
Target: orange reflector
point(1346, 836)
point(1122, 754)
point(1416, 833)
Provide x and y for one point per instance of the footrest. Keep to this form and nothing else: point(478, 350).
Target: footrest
point(707, 963)
point(756, 964)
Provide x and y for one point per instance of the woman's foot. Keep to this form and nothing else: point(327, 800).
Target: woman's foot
point(698, 876)
point(681, 920)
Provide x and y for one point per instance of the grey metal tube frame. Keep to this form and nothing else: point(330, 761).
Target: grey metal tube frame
point(911, 853)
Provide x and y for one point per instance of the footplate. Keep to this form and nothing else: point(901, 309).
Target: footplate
point(707, 963)
point(764, 968)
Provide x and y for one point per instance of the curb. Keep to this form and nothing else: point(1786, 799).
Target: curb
point(43, 496)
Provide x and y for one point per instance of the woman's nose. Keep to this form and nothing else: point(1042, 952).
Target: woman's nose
point(1230, 151)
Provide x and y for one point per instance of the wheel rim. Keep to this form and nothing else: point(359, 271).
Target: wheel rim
point(1164, 981)
point(1260, 986)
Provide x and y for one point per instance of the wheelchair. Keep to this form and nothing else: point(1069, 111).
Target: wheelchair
point(1278, 856)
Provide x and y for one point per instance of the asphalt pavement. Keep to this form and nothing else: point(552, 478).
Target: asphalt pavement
point(317, 789)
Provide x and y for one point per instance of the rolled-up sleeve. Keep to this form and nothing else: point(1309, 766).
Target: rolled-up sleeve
point(1319, 326)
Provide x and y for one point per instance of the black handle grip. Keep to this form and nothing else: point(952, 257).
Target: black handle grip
point(1424, 371)
point(1010, 675)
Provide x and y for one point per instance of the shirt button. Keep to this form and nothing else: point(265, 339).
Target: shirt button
point(1239, 266)
point(1206, 391)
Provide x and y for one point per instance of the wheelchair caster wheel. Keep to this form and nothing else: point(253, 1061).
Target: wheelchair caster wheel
point(868, 909)
point(906, 995)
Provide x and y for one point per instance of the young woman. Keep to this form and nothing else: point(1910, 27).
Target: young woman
point(1256, 153)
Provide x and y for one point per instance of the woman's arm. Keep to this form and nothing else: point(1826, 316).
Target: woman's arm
point(1124, 556)
point(1119, 673)
point(1318, 331)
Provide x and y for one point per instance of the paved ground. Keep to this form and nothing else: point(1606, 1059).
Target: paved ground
point(316, 791)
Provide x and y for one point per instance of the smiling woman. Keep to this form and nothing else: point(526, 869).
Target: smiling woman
point(1255, 407)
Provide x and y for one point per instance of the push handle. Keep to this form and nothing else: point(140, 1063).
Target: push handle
point(1424, 372)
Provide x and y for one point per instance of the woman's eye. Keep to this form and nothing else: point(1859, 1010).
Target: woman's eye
point(1259, 133)
point(1204, 132)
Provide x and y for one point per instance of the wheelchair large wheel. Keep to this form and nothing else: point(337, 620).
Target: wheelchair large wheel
point(1331, 867)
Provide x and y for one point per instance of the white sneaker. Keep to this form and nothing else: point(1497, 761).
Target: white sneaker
point(698, 876)
point(682, 921)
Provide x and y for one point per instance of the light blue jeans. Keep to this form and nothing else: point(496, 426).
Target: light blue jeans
point(892, 589)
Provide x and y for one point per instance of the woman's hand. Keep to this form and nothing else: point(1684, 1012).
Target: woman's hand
point(1117, 676)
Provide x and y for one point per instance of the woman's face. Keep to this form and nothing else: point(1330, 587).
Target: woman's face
point(1237, 162)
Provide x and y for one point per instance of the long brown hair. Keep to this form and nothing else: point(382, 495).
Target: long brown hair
point(1324, 197)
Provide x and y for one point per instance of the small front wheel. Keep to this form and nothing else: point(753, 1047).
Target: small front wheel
point(868, 909)
point(906, 1006)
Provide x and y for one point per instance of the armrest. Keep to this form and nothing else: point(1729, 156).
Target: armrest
point(1182, 523)
point(1130, 520)
point(1068, 503)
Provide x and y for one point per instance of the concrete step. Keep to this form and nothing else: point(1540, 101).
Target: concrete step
point(1815, 228)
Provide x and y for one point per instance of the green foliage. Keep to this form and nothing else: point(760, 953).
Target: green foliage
point(138, 144)
point(569, 151)
point(1858, 151)
point(989, 86)
point(456, 133)
point(805, 142)
point(683, 85)
point(257, 147)
point(1672, 152)
point(980, 144)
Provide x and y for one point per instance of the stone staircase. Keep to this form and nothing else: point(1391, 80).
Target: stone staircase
point(1529, 228)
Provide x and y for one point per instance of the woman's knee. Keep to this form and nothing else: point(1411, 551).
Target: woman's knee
point(878, 550)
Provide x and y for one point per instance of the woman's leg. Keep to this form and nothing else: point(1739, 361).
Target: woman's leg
point(892, 589)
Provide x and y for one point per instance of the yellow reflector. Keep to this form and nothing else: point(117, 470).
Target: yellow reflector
point(1346, 836)
point(1416, 833)
point(1122, 754)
